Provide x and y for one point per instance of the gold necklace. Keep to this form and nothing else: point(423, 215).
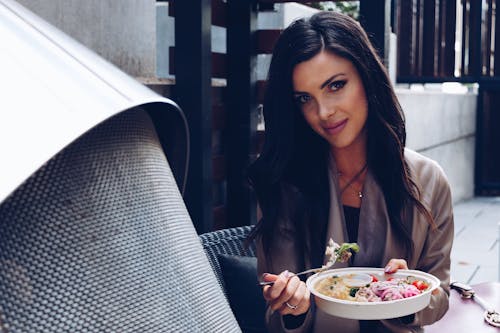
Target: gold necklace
point(349, 184)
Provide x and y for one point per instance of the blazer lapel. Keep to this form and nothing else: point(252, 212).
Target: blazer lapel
point(375, 238)
point(336, 222)
point(373, 225)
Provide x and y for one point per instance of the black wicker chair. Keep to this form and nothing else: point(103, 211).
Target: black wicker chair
point(99, 240)
point(226, 242)
point(235, 266)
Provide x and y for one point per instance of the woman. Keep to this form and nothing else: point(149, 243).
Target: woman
point(334, 165)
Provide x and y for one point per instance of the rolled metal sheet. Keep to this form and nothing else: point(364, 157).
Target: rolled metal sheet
point(53, 90)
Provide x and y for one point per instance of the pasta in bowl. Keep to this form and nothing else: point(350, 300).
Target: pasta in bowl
point(385, 296)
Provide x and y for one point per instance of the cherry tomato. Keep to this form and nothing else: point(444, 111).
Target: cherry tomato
point(390, 279)
point(374, 278)
point(420, 285)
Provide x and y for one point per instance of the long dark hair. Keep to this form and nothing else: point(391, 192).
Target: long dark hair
point(290, 175)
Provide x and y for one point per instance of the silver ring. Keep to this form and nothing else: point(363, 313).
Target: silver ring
point(293, 307)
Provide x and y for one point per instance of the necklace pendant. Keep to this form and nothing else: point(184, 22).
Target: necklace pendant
point(360, 194)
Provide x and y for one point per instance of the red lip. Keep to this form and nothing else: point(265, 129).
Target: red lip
point(335, 127)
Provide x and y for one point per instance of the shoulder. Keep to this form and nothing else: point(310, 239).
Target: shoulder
point(423, 167)
point(426, 173)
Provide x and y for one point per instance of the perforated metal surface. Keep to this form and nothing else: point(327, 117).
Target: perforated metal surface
point(99, 240)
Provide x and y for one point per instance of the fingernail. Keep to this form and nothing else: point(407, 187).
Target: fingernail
point(264, 275)
point(286, 273)
point(388, 269)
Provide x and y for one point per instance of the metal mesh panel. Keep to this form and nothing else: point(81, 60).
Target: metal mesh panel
point(99, 240)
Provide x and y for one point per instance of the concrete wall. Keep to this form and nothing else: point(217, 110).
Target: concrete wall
point(442, 126)
point(123, 32)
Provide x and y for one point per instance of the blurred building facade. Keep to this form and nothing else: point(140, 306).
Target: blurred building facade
point(140, 38)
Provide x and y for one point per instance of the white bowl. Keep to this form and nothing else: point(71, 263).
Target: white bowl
point(372, 310)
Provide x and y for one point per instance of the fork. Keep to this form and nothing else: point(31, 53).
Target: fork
point(336, 253)
point(312, 270)
point(491, 316)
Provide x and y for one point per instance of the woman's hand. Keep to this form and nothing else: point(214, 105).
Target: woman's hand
point(394, 264)
point(288, 295)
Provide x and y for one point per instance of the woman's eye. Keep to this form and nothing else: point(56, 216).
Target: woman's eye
point(302, 99)
point(337, 85)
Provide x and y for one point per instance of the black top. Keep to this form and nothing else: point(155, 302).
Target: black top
point(352, 222)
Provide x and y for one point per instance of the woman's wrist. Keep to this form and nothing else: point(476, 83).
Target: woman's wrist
point(292, 322)
point(408, 319)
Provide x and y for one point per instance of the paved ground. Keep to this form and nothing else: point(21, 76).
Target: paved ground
point(475, 252)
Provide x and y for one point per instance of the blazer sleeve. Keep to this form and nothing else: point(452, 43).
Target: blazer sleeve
point(435, 255)
point(282, 257)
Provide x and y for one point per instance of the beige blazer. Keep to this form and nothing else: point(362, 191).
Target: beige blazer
point(377, 246)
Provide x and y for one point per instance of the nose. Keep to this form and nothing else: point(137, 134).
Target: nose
point(325, 110)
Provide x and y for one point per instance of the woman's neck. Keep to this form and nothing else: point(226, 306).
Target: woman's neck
point(351, 166)
point(349, 161)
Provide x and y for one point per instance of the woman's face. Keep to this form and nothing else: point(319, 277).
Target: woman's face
point(329, 92)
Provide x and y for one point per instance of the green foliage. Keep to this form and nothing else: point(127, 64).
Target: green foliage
point(350, 8)
point(348, 246)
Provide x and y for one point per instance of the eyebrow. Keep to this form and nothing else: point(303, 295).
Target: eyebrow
point(324, 84)
point(330, 80)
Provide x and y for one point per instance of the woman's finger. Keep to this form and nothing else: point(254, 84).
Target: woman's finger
point(271, 293)
point(299, 303)
point(287, 293)
point(268, 277)
point(394, 264)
